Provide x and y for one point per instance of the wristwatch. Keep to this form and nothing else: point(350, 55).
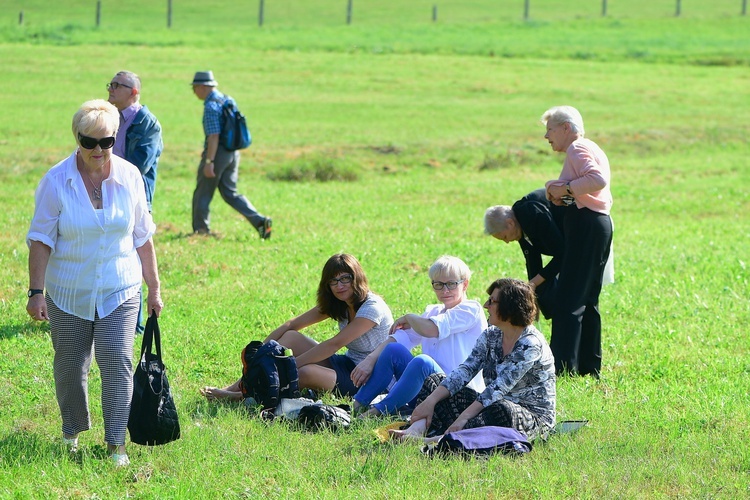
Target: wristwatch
point(34, 291)
point(208, 160)
point(567, 188)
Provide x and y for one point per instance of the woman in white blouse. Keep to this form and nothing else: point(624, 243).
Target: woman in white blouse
point(446, 332)
point(90, 247)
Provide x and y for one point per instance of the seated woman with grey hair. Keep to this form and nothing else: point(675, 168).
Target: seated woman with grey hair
point(446, 332)
point(536, 224)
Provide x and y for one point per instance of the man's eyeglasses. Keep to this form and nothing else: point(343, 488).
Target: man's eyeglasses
point(344, 280)
point(91, 143)
point(117, 85)
point(491, 300)
point(450, 285)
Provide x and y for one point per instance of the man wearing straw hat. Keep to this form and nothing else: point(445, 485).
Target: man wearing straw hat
point(218, 167)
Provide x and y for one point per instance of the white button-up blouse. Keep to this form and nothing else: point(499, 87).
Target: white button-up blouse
point(93, 264)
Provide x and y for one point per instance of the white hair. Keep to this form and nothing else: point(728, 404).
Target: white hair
point(496, 219)
point(564, 114)
point(448, 266)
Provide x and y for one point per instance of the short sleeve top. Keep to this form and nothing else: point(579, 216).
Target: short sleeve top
point(376, 310)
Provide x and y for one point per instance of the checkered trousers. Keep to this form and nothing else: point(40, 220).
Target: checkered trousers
point(110, 339)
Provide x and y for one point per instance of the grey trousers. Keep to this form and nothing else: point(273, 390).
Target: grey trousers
point(226, 168)
point(112, 341)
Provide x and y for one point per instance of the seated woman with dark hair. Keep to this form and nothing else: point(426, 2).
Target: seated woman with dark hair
point(364, 321)
point(518, 369)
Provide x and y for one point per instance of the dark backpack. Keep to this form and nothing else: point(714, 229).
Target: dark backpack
point(268, 374)
point(234, 132)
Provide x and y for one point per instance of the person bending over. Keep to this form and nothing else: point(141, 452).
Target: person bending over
point(536, 224)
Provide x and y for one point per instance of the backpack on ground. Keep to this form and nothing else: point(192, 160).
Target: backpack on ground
point(234, 132)
point(268, 373)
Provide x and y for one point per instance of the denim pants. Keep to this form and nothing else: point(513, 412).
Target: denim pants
point(410, 372)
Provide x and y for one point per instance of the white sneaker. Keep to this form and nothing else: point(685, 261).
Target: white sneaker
point(71, 443)
point(120, 460)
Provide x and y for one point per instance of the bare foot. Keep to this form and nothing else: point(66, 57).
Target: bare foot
point(214, 393)
point(415, 431)
point(371, 412)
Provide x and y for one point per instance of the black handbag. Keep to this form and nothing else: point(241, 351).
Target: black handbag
point(318, 416)
point(153, 415)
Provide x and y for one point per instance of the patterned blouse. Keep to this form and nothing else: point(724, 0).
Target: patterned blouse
point(526, 376)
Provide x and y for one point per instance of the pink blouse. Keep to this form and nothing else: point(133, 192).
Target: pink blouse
point(586, 167)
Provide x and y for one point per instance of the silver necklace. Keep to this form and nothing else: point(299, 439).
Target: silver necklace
point(97, 192)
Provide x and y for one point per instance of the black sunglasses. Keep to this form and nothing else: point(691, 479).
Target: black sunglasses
point(91, 143)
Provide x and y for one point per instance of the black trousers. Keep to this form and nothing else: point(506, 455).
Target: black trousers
point(576, 325)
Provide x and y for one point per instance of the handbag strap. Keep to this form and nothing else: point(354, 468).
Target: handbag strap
point(151, 335)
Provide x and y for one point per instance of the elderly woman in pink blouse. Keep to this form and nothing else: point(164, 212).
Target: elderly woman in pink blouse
point(584, 187)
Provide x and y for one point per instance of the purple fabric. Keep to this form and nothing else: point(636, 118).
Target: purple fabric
point(484, 441)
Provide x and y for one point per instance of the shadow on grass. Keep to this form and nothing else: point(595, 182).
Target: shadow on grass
point(32, 328)
point(25, 448)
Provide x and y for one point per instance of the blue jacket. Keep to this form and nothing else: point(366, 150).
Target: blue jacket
point(143, 146)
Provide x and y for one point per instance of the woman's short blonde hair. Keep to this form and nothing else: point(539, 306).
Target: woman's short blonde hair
point(448, 266)
point(95, 115)
point(564, 114)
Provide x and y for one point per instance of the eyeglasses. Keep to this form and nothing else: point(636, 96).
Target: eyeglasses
point(344, 280)
point(450, 285)
point(91, 143)
point(117, 85)
point(491, 301)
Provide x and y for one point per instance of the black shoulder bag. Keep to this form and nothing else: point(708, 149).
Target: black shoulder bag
point(153, 415)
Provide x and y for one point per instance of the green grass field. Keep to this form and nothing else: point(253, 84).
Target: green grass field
point(432, 123)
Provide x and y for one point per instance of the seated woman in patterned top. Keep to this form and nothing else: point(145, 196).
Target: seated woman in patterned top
point(364, 321)
point(518, 369)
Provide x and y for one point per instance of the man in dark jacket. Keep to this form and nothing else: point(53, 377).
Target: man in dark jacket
point(536, 224)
